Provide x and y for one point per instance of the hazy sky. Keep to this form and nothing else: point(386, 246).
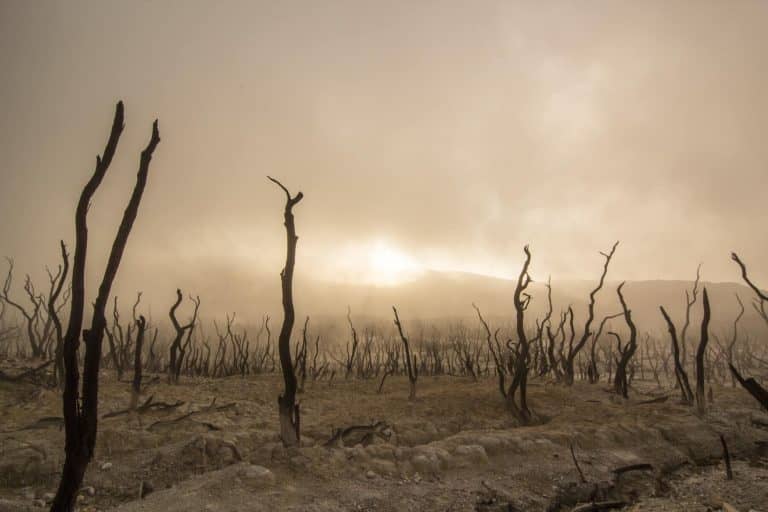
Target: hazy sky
point(423, 134)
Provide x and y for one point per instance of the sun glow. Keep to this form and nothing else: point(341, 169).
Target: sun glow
point(388, 265)
point(378, 262)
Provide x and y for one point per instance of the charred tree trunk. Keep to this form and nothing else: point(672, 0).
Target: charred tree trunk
point(53, 313)
point(81, 419)
point(621, 383)
point(410, 361)
point(177, 350)
point(496, 354)
point(680, 374)
point(753, 388)
point(573, 351)
point(351, 353)
point(141, 326)
point(751, 385)
point(519, 407)
point(287, 407)
point(701, 399)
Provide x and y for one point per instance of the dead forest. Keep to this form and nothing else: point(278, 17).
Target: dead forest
point(107, 407)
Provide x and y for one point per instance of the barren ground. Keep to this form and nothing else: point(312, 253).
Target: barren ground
point(454, 448)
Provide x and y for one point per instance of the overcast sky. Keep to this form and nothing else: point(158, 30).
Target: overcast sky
point(423, 134)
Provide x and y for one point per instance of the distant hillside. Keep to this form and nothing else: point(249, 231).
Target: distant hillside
point(440, 295)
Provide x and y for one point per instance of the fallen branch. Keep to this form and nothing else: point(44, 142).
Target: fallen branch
point(632, 467)
point(47, 422)
point(169, 422)
point(756, 390)
point(31, 372)
point(362, 434)
point(576, 463)
point(146, 406)
point(599, 505)
point(658, 400)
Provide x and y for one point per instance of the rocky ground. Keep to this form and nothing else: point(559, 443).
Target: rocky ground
point(211, 445)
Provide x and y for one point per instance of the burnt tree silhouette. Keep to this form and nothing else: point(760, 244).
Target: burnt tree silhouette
point(81, 419)
point(593, 374)
point(762, 298)
point(680, 374)
point(701, 399)
point(410, 360)
point(496, 354)
point(751, 385)
point(519, 367)
point(31, 316)
point(620, 383)
point(351, 353)
point(288, 409)
point(141, 327)
point(53, 314)
point(177, 350)
point(573, 350)
point(690, 301)
point(753, 388)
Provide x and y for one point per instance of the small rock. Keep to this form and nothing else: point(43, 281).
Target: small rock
point(417, 478)
point(106, 466)
point(258, 476)
point(90, 490)
point(472, 452)
point(48, 497)
point(38, 503)
point(370, 474)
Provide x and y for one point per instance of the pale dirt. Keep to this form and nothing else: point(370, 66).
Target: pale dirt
point(455, 448)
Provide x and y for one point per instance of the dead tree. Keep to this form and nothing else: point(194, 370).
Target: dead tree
point(621, 383)
point(680, 374)
point(495, 352)
point(701, 399)
point(573, 350)
point(116, 350)
point(287, 406)
point(31, 315)
point(410, 360)
point(519, 365)
point(300, 366)
point(753, 388)
point(81, 417)
point(53, 314)
point(593, 374)
point(177, 350)
point(751, 385)
point(734, 338)
point(690, 301)
point(141, 327)
point(351, 353)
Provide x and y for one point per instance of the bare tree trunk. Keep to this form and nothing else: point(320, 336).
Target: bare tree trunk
point(54, 315)
point(410, 361)
point(519, 407)
point(621, 384)
point(176, 349)
point(81, 421)
point(701, 399)
point(287, 407)
point(573, 350)
point(141, 325)
point(753, 388)
point(680, 374)
point(690, 301)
